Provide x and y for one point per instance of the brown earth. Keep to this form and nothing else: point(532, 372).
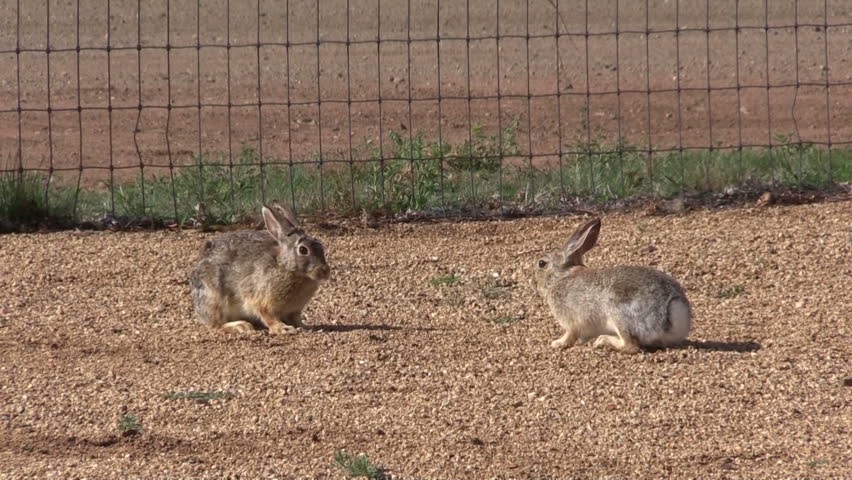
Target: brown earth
point(320, 81)
point(425, 378)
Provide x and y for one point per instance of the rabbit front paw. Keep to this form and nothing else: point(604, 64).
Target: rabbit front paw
point(620, 344)
point(564, 341)
point(280, 328)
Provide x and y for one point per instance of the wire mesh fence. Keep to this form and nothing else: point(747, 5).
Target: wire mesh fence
point(198, 110)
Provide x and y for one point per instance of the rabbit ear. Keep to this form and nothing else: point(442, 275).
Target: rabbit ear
point(581, 241)
point(279, 221)
point(284, 213)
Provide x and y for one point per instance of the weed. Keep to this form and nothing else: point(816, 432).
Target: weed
point(413, 173)
point(129, 425)
point(29, 198)
point(484, 153)
point(503, 320)
point(450, 279)
point(730, 292)
point(358, 466)
point(197, 396)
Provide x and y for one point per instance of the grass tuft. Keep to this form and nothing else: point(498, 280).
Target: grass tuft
point(29, 199)
point(358, 466)
point(129, 425)
point(197, 396)
point(450, 280)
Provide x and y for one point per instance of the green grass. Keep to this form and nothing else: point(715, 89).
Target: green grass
point(30, 198)
point(197, 396)
point(355, 466)
point(609, 172)
point(129, 425)
point(450, 279)
point(414, 173)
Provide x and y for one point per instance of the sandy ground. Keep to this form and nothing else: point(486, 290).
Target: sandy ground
point(424, 378)
point(304, 89)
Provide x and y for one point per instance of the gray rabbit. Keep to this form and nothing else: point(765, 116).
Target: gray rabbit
point(248, 279)
point(622, 307)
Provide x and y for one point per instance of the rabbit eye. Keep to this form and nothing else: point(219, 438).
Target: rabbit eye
point(542, 263)
point(303, 250)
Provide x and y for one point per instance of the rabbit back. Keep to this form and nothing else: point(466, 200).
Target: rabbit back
point(645, 302)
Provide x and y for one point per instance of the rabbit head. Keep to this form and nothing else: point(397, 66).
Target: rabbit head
point(298, 251)
point(569, 260)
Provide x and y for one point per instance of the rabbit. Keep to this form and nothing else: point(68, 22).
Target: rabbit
point(250, 279)
point(623, 307)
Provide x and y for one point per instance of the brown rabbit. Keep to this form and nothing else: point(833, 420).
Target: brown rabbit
point(622, 307)
point(251, 279)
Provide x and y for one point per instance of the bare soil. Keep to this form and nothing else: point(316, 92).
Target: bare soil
point(435, 381)
point(709, 82)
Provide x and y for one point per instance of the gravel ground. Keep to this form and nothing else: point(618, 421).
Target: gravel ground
point(435, 381)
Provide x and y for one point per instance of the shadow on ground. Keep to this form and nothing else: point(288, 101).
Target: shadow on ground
point(349, 327)
point(723, 346)
point(368, 327)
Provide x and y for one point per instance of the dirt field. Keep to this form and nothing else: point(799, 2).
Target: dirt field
point(424, 378)
point(318, 81)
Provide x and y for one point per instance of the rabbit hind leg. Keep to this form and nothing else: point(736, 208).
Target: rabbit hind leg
point(209, 306)
point(622, 342)
point(239, 326)
point(212, 310)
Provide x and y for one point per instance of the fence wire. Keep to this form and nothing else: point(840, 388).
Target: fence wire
point(201, 110)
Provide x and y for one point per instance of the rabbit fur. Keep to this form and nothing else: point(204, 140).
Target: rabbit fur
point(622, 307)
point(251, 279)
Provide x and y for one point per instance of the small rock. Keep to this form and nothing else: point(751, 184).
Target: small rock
point(765, 199)
point(847, 382)
point(800, 304)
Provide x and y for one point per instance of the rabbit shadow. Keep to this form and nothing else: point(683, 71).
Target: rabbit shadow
point(366, 327)
point(722, 346)
point(349, 327)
